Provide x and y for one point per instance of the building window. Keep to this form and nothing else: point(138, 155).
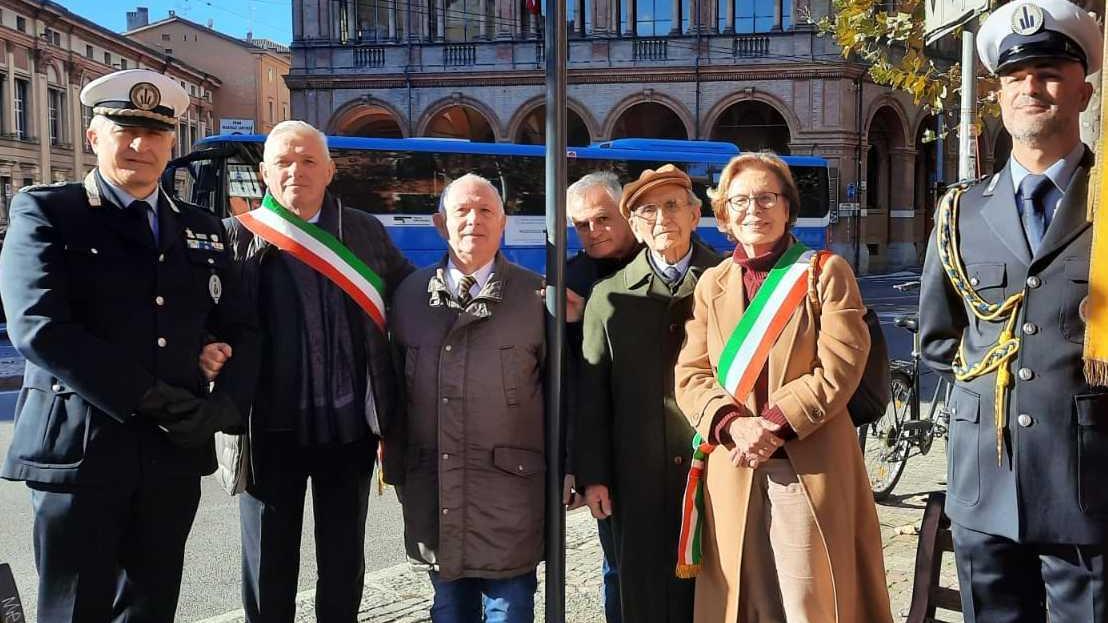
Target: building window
point(653, 18)
point(86, 120)
point(270, 72)
point(56, 115)
point(373, 19)
point(464, 19)
point(269, 108)
point(169, 51)
point(284, 112)
point(107, 58)
point(756, 15)
point(20, 23)
point(165, 36)
point(22, 87)
point(192, 90)
point(88, 51)
point(123, 63)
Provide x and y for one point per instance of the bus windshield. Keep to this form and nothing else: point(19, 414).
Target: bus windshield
point(399, 181)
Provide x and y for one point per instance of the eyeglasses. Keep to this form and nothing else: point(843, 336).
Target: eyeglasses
point(741, 203)
point(649, 212)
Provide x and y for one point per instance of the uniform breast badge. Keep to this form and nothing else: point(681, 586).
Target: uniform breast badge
point(215, 288)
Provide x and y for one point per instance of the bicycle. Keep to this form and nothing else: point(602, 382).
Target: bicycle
point(887, 444)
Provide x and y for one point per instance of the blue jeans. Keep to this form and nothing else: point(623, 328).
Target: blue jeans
point(507, 600)
point(613, 610)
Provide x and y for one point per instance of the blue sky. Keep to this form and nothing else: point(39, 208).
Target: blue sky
point(271, 19)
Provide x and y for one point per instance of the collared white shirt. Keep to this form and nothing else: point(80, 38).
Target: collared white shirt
point(1060, 173)
point(454, 277)
point(124, 199)
point(682, 265)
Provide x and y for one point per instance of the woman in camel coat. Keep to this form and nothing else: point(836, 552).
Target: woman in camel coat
point(790, 527)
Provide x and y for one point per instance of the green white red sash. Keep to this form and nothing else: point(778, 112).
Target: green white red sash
point(740, 364)
point(321, 251)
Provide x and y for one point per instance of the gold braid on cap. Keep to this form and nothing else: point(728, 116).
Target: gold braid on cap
point(1007, 344)
point(132, 112)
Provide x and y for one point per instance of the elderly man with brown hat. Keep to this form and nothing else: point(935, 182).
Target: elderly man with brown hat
point(633, 443)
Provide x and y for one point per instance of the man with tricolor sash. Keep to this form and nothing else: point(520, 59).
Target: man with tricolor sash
point(1007, 305)
point(321, 275)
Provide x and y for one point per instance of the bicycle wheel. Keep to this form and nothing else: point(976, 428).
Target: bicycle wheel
point(884, 448)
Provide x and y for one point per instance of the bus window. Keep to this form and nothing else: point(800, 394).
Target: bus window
point(197, 182)
point(812, 183)
point(244, 188)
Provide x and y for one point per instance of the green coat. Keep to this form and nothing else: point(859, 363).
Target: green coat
point(631, 436)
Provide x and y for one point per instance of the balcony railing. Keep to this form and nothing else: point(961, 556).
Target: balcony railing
point(651, 50)
point(369, 57)
point(750, 45)
point(459, 55)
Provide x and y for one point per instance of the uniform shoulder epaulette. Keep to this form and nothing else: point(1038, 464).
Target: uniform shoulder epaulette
point(967, 184)
point(32, 187)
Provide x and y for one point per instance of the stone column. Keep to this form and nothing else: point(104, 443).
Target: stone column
point(729, 29)
point(902, 249)
point(777, 13)
point(351, 22)
point(601, 14)
point(632, 16)
point(9, 105)
point(440, 20)
point(392, 20)
point(675, 29)
point(505, 18)
point(76, 132)
point(41, 116)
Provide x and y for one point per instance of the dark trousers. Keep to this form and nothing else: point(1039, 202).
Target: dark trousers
point(1002, 581)
point(613, 612)
point(112, 553)
point(271, 512)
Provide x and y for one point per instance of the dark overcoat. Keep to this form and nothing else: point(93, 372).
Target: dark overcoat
point(1048, 486)
point(632, 436)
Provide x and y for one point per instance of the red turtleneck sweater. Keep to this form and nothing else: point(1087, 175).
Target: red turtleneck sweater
point(755, 269)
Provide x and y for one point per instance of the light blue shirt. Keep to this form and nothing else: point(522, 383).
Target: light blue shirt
point(1060, 173)
point(124, 199)
point(682, 265)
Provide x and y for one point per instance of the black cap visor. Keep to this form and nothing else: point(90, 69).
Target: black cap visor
point(1046, 45)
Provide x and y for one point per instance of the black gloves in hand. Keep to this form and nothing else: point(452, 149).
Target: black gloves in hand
point(188, 421)
point(165, 402)
point(195, 428)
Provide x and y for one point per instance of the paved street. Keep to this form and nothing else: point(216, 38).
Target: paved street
point(210, 590)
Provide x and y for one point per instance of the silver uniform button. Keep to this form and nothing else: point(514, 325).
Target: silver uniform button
point(161, 257)
point(161, 342)
point(93, 251)
point(211, 261)
point(1024, 420)
point(1025, 374)
point(56, 387)
point(1034, 282)
point(446, 511)
point(974, 281)
point(1029, 328)
point(448, 348)
point(159, 301)
point(446, 400)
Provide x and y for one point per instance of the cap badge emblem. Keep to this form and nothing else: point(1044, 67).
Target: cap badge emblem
point(145, 96)
point(1027, 19)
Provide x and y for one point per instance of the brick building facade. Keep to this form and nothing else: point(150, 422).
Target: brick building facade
point(753, 72)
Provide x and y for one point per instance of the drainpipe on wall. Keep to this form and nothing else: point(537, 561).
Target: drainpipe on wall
point(407, 70)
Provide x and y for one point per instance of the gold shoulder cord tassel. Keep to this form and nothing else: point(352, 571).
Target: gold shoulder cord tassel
point(1007, 344)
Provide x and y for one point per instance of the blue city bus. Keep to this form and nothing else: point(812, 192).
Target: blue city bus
point(399, 181)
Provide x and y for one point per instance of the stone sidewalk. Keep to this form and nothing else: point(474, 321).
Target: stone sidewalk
point(400, 595)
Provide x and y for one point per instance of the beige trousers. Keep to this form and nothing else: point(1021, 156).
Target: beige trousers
point(785, 575)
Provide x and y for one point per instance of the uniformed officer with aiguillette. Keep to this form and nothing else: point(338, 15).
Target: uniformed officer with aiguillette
point(110, 288)
point(1002, 311)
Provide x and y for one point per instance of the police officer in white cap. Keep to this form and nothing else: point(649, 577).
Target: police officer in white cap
point(1001, 305)
point(110, 289)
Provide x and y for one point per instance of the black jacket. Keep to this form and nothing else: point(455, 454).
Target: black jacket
point(269, 283)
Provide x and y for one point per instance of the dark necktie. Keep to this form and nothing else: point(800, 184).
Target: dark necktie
point(141, 209)
point(672, 275)
point(464, 285)
point(1033, 189)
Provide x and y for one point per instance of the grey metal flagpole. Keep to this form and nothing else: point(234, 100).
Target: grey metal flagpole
point(967, 154)
point(555, 56)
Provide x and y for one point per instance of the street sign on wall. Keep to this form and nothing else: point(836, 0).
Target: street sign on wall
point(236, 126)
point(943, 16)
